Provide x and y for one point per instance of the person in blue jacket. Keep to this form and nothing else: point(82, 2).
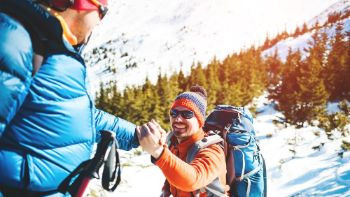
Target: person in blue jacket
point(48, 121)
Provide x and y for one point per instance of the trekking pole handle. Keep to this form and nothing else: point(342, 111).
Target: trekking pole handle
point(96, 162)
point(102, 147)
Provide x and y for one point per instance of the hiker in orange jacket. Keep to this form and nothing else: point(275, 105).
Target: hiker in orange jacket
point(187, 119)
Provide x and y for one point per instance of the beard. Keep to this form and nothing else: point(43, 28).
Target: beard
point(180, 130)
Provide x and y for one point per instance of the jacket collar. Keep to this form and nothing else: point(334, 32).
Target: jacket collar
point(67, 34)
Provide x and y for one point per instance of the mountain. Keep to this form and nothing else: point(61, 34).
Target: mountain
point(300, 161)
point(327, 20)
point(140, 39)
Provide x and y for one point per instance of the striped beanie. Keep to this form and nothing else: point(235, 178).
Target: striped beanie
point(194, 100)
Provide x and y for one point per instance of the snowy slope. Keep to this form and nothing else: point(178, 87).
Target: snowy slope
point(314, 170)
point(311, 171)
point(301, 42)
point(340, 6)
point(162, 35)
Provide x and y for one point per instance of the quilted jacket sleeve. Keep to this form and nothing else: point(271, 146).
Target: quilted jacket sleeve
point(16, 56)
point(124, 130)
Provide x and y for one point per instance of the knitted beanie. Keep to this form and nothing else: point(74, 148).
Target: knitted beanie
point(194, 100)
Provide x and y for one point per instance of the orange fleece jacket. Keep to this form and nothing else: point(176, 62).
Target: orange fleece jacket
point(185, 178)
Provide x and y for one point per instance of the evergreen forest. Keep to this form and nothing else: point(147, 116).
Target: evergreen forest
point(299, 86)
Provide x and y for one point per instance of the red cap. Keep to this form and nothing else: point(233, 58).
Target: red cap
point(87, 4)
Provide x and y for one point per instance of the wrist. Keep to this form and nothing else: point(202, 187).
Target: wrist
point(158, 152)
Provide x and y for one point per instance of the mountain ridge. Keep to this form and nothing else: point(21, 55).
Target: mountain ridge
point(172, 44)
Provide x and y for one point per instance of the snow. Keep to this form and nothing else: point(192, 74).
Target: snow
point(301, 41)
point(160, 36)
point(339, 6)
point(315, 169)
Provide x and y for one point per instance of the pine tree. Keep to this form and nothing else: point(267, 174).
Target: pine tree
point(347, 69)
point(103, 98)
point(274, 70)
point(115, 101)
point(149, 100)
point(297, 32)
point(132, 100)
point(100, 97)
point(197, 76)
point(304, 29)
point(252, 75)
point(313, 94)
point(287, 91)
point(167, 89)
point(266, 44)
point(334, 72)
point(213, 83)
point(182, 81)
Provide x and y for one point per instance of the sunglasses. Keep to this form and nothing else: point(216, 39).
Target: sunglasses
point(101, 8)
point(186, 114)
point(62, 5)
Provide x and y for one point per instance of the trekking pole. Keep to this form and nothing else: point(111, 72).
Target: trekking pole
point(91, 171)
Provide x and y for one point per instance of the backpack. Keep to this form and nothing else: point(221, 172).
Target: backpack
point(232, 127)
point(246, 170)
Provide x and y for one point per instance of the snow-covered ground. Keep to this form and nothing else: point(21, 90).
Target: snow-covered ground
point(314, 170)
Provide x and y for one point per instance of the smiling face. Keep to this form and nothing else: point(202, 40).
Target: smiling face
point(183, 128)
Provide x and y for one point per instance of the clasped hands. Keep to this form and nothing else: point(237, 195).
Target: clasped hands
point(152, 138)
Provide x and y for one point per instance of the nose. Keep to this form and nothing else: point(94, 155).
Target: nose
point(178, 118)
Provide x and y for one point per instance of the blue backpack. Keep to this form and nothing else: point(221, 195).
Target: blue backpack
point(246, 170)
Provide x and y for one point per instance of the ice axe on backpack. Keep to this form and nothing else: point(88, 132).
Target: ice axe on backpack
point(89, 169)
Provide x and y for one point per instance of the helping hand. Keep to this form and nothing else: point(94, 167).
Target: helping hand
point(151, 137)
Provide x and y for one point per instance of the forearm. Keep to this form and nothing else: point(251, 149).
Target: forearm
point(124, 130)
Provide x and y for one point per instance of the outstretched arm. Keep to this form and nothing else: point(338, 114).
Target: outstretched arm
point(124, 130)
point(206, 166)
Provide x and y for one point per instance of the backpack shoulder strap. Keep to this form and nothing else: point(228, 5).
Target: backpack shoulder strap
point(168, 138)
point(214, 188)
point(205, 142)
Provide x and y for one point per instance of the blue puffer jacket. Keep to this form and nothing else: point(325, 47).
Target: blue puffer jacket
point(48, 123)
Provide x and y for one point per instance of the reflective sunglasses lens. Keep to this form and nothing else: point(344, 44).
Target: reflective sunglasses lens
point(187, 114)
point(174, 113)
point(103, 11)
